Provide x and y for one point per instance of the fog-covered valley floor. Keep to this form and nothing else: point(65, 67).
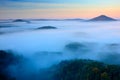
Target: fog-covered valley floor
point(70, 40)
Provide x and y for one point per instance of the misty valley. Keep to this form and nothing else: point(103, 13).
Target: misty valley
point(69, 49)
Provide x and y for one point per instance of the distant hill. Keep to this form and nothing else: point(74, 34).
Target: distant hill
point(74, 19)
point(102, 18)
point(21, 20)
point(47, 27)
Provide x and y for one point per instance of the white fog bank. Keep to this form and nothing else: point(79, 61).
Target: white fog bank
point(49, 46)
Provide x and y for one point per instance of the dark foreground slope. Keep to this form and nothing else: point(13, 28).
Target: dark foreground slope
point(65, 70)
point(7, 59)
point(87, 70)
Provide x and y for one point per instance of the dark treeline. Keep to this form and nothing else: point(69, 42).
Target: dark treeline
point(8, 59)
point(65, 70)
point(87, 70)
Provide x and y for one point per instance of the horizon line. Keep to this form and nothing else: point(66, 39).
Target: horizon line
point(59, 18)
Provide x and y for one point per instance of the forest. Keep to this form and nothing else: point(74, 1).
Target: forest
point(77, 69)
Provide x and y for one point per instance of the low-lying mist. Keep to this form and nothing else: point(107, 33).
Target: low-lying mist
point(23, 67)
point(30, 55)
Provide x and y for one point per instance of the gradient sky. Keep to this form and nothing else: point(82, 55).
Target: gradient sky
point(58, 8)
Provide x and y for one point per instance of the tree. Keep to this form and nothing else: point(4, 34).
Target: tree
point(105, 76)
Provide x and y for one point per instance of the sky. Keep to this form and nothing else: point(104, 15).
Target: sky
point(12, 9)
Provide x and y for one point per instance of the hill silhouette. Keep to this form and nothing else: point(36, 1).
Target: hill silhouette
point(102, 18)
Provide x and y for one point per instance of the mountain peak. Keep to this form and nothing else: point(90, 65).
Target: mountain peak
point(102, 18)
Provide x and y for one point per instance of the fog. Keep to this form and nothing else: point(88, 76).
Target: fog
point(26, 40)
point(71, 40)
